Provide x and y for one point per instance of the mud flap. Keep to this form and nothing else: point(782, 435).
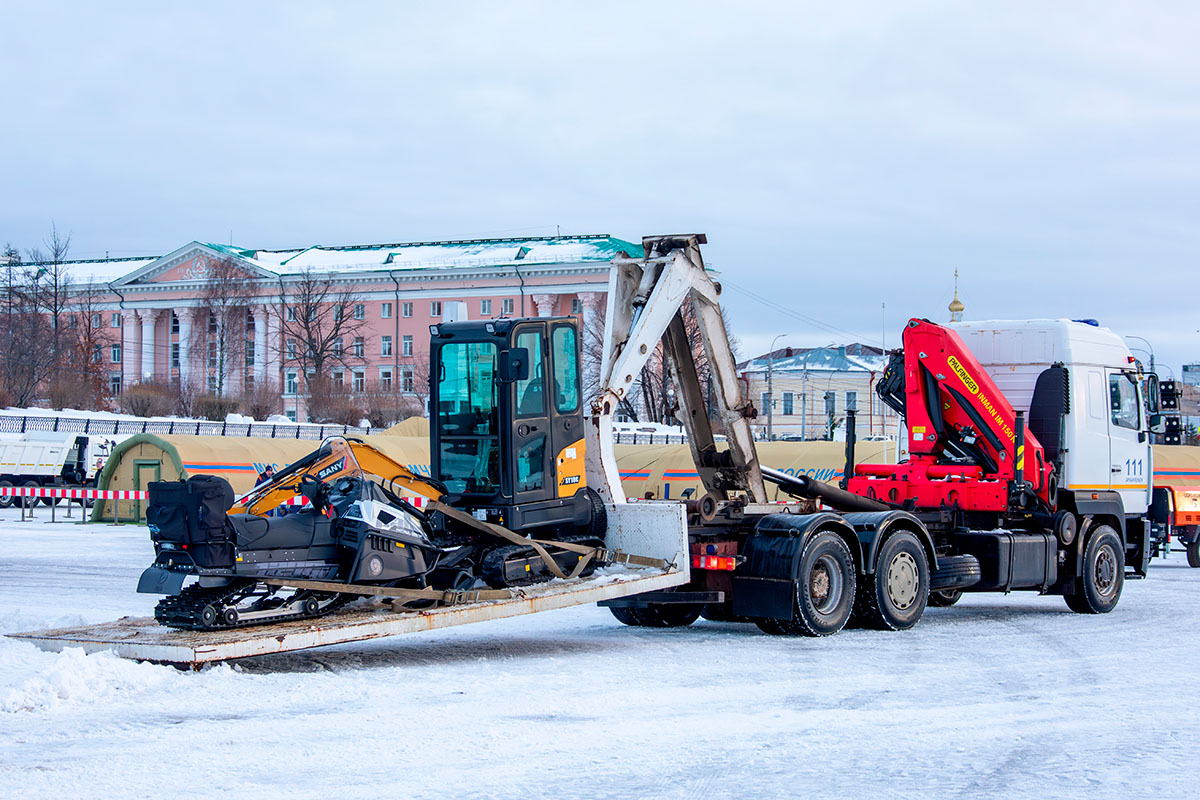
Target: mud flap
point(156, 580)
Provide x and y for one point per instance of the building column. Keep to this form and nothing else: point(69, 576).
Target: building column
point(185, 345)
point(591, 336)
point(545, 304)
point(235, 363)
point(130, 356)
point(271, 350)
point(261, 321)
point(148, 316)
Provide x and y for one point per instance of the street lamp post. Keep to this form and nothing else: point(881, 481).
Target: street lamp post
point(1149, 346)
point(770, 390)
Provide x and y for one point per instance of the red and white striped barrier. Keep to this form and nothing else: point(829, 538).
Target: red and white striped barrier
point(71, 494)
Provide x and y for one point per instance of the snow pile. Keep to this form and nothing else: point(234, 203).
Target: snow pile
point(75, 677)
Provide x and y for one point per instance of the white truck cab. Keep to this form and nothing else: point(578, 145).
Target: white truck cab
point(1105, 442)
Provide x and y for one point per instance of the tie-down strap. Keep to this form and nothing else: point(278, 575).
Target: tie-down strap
point(447, 597)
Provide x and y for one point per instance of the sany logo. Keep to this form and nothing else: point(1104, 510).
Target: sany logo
point(333, 468)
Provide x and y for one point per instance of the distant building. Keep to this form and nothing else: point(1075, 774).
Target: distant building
point(157, 326)
point(812, 388)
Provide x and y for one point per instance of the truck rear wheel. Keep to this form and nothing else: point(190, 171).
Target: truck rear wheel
point(1099, 588)
point(6, 500)
point(659, 615)
point(1193, 553)
point(893, 598)
point(824, 590)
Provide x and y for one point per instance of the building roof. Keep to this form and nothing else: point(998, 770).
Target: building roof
point(394, 256)
point(854, 357)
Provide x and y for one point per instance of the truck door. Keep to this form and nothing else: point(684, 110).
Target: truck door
point(1087, 460)
point(1129, 460)
point(532, 476)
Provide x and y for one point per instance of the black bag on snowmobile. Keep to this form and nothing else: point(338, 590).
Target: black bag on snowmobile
point(192, 516)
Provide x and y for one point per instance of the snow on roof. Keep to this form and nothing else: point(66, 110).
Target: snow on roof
point(433, 255)
point(398, 256)
point(820, 359)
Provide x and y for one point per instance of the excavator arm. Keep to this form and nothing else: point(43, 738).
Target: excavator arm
point(646, 300)
point(324, 464)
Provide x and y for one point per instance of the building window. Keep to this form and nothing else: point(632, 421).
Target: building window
point(766, 400)
point(360, 346)
point(407, 345)
point(789, 404)
point(360, 311)
point(406, 379)
point(116, 354)
point(174, 322)
point(212, 384)
point(291, 314)
point(385, 311)
point(212, 323)
point(852, 401)
point(212, 354)
point(174, 354)
point(830, 403)
point(385, 378)
point(291, 414)
point(576, 305)
point(485, 307)
point(291, 348)
point(339, 380)
point(97, 320)
point(360, 380)
point(114, 383)
point(337, 347)
point(249, 382)
point(406, 309)
point(249, 352)
point(385, 345)
point(249, 319)
point(116, 320)
point(506, 306)
point(435, 308)
point(289, 385)
point(97, 354)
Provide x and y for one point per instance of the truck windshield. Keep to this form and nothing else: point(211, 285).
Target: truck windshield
point(467, 418)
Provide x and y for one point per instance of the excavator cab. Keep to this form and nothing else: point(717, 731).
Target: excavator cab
point(506, 436)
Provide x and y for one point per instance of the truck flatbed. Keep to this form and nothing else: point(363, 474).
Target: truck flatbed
point(652, 529)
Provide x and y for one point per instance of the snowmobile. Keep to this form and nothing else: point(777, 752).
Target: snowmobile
point(355, 531)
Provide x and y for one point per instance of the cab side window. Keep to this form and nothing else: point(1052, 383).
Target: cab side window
point(531, 392)
point(566, 370)
point(1123, 401)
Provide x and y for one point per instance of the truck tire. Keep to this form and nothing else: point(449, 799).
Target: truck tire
point(31, 501)
point(1099, 588)
point(894, 596)
point(945, 598)
point(659, 615)
point(1193, 553)
point(824, 590)
point(6, 500)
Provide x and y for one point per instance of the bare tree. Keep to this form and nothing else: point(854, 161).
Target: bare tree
point(262, 400)
point(319, 327)
point(86, 340)
point(221, 333)
point(27, 358)
point(52, 289)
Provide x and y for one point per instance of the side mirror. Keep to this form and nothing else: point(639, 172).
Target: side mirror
point(514, 365)
point(1157, 424)
point(1153, 395)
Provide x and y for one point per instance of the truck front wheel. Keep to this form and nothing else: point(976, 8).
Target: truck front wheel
point(823, 597)
point(1099, 588)
point(893, 598)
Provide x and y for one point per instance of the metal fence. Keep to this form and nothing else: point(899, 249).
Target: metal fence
point(101, 427)
point(649, 438)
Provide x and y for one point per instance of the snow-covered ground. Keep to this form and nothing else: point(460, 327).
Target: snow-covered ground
point(997, 697)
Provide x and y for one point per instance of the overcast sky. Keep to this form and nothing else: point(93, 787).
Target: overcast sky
point(838, 155)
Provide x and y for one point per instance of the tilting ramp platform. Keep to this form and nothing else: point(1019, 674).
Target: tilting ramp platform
point(653, 529)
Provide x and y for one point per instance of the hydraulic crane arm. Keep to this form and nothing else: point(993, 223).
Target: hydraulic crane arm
point(646, 298)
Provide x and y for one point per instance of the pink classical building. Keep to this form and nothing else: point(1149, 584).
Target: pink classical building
point(152, 308)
